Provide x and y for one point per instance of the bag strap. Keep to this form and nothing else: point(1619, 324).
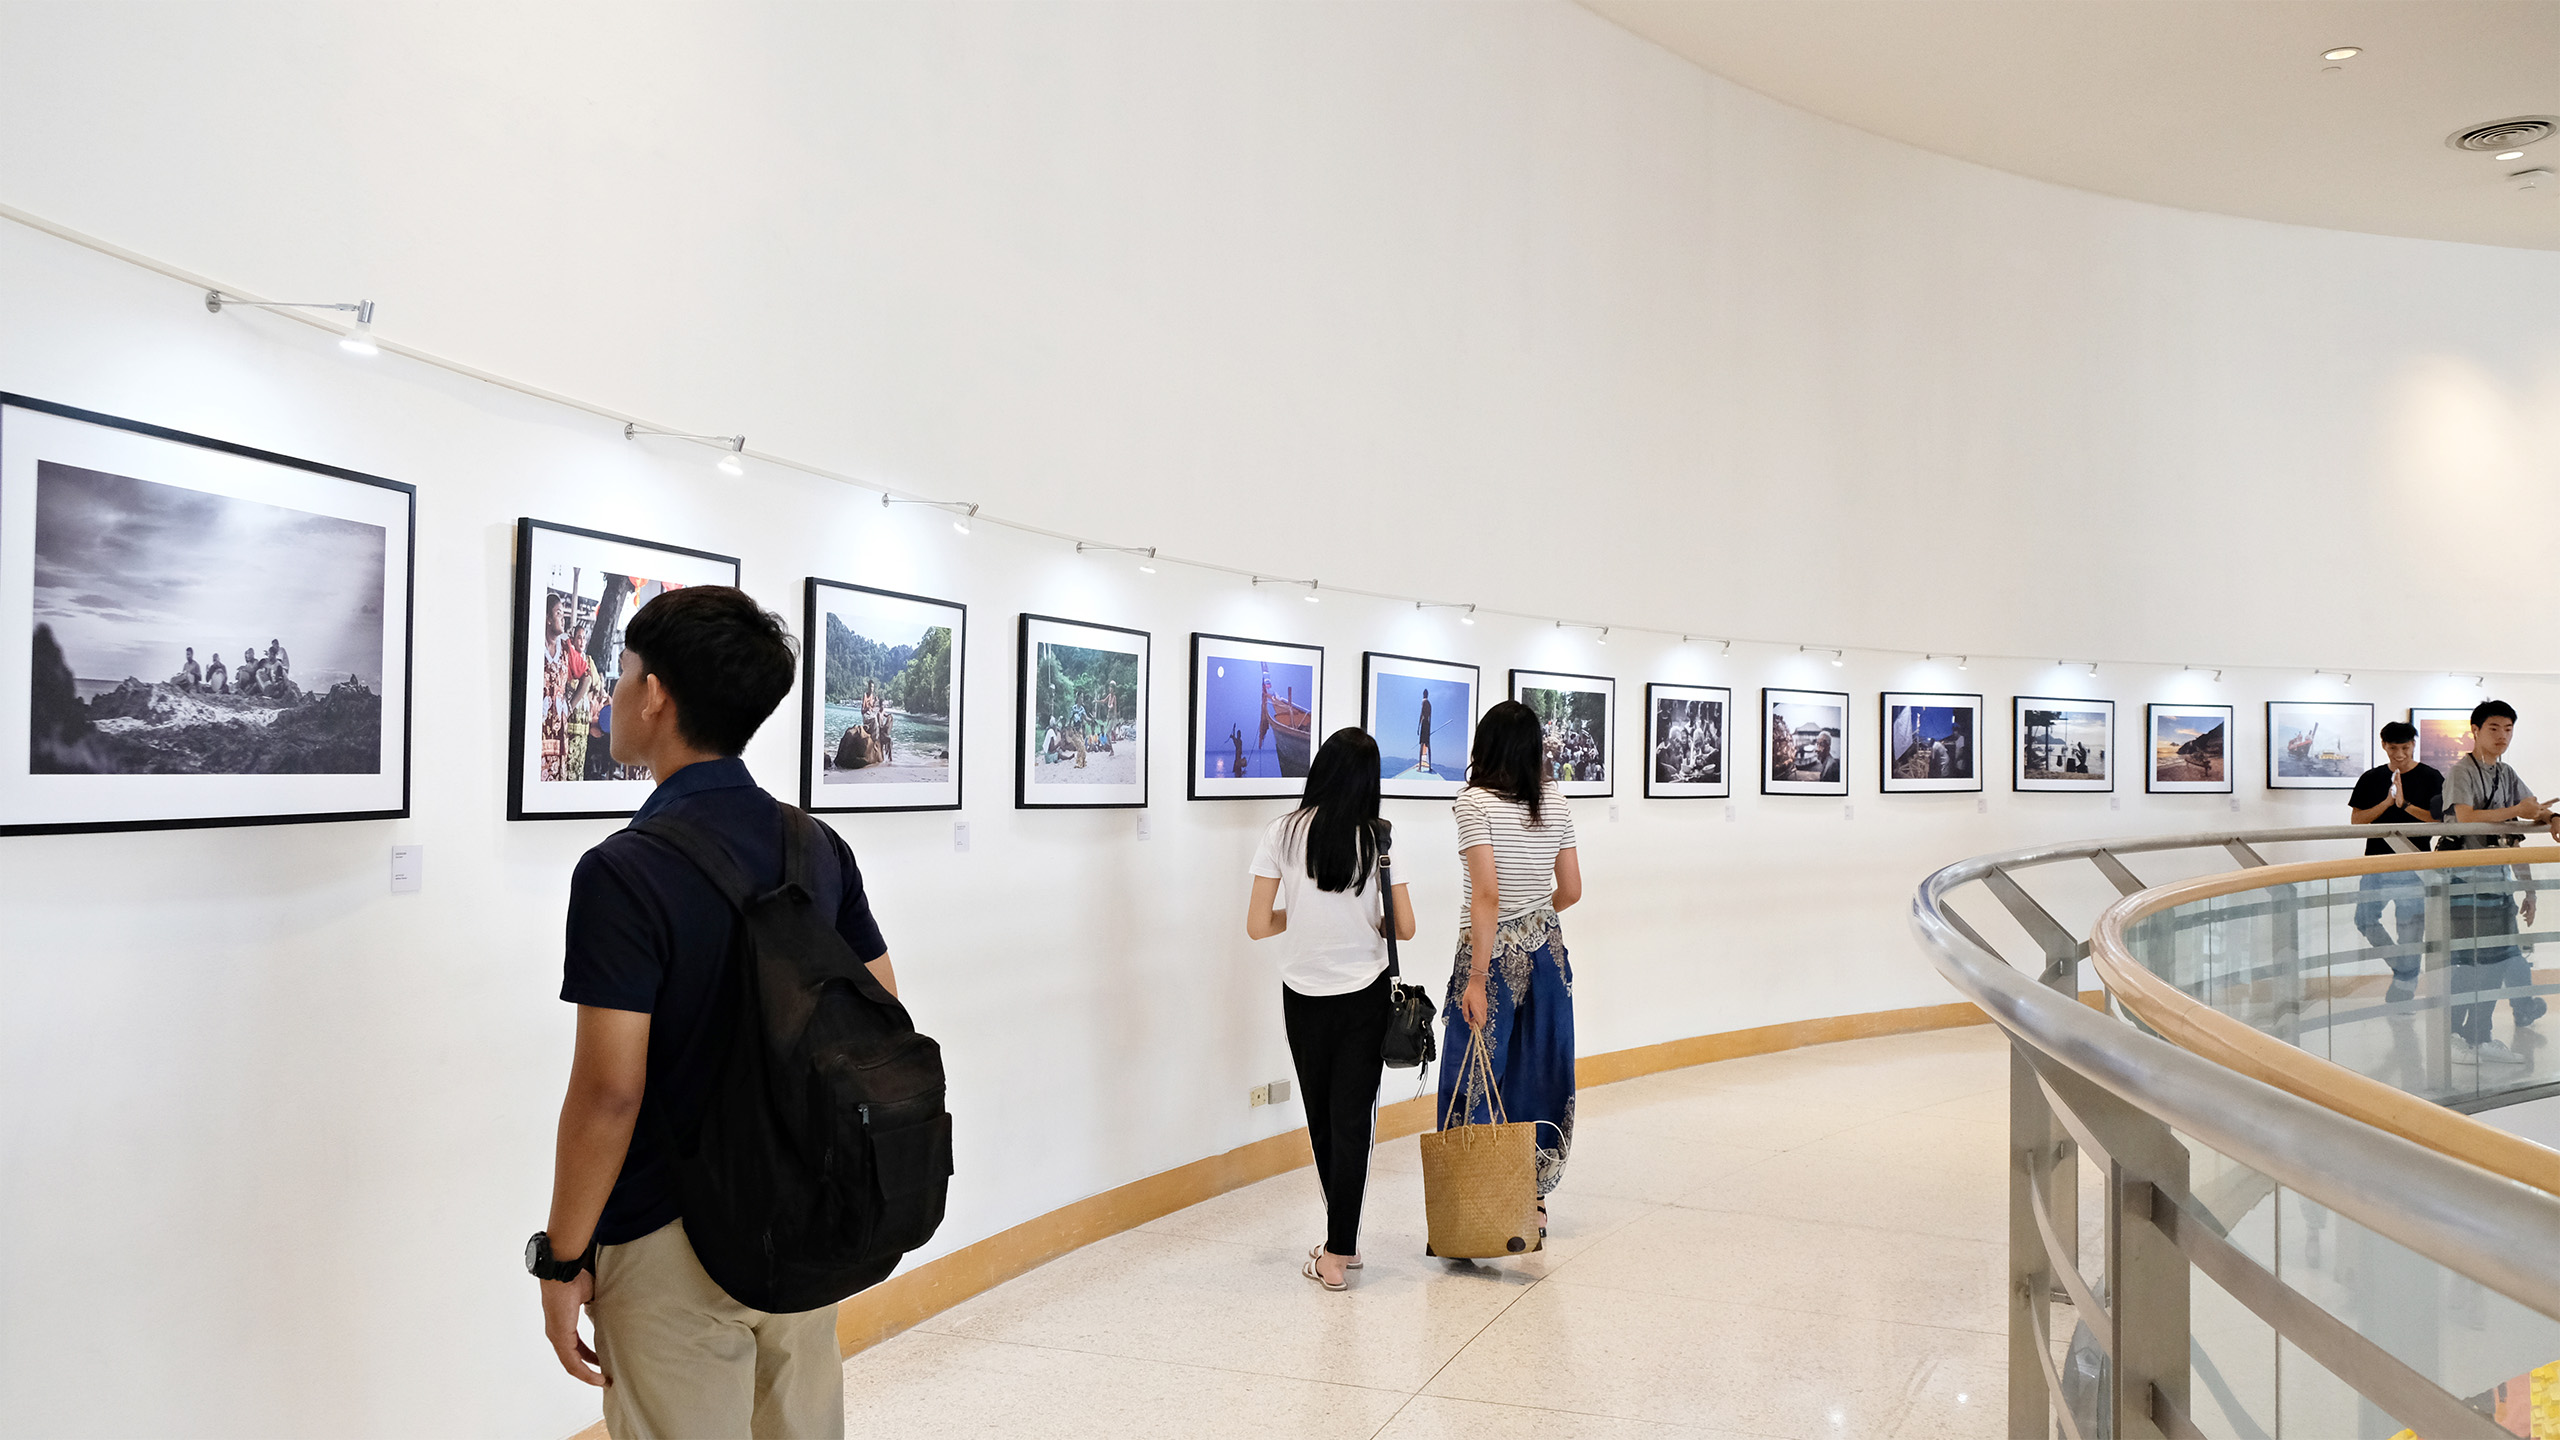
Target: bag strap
point(695, 844)
point(1476, 1067)
point(1387, 903)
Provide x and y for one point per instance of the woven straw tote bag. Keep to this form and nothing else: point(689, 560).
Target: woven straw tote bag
point(1480, 1182)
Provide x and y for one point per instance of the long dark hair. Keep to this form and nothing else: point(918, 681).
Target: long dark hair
point(1510, 757)
point(1337, 822)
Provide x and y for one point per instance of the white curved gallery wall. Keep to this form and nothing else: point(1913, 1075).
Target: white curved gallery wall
point(1492, 303)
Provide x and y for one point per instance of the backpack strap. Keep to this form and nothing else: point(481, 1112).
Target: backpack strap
point(696, 845)
point(798, 839)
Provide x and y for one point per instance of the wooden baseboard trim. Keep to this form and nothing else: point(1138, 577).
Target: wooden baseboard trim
point(903, 1301)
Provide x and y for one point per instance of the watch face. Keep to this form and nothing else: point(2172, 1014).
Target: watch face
point(533, 1251)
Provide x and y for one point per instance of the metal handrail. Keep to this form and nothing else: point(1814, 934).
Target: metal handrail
point(2082, 1080)
point(2486, 1226)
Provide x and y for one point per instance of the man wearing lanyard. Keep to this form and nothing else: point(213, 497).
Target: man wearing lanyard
point(2484, 789)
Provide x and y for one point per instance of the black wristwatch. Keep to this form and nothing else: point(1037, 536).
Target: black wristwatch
point(541, 1266)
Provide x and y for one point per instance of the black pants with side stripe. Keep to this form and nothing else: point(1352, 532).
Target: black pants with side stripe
point(1335, 1041)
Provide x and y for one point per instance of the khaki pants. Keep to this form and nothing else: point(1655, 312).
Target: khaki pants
point(689, 1363)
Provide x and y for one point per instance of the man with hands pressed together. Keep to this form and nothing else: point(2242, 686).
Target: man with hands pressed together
point(2484, 789)
point(651, 945)
point(2398, 792)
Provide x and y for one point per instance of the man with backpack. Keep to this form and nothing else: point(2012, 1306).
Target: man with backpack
point(672, 963)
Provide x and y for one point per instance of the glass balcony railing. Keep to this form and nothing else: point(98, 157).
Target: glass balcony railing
point(2305, 1233)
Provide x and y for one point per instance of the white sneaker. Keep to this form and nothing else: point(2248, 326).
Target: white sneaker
point(2463, 1054)
point(2497, 1052)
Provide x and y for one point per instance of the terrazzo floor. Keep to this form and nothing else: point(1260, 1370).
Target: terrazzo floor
point(1807, 1244)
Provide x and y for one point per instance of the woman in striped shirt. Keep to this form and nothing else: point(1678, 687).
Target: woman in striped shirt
point(1512, 979)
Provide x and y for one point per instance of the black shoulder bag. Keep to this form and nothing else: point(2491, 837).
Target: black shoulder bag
point(1410, 1010)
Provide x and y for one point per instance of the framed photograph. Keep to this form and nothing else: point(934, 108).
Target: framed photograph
point(1422, 713)
point(576, 591)
point(1256, 717)
point(2321, 744)
point(1685, 728)
point(1931, 742)
point(2064, 744)
point(1580, 713)
point(221, 635)
point(2190, 750)
point(1081, 741)
point(1807, 742)
point(2444, 736)
point(880, 699)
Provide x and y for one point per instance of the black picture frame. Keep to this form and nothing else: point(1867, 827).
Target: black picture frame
point(1772, 696)
point(400, 733)
point(1023, 780)
point(1398, 786)
point(1606, 686)
point(813, 704)
point(528, 532)
point(1195, 749)
point(2109, 755)
point(1720, 788)
point(2152, 783)
point(1887, 783)
point(2348, 765)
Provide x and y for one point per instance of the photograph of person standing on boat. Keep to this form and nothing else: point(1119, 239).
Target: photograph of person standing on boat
point(1254, 709)
point(1422, 713)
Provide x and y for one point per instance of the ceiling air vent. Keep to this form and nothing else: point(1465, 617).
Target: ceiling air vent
point(2504, 134)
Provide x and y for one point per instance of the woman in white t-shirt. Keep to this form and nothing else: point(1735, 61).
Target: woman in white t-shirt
point(1512, 978)
point(1315, 885)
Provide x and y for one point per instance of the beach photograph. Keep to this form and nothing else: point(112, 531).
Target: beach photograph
point(2190, 747)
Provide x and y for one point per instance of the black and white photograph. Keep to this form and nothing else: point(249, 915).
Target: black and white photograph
point(576, 593)
point(1081, 741)
point(1932, 742)
point(2318, 744)
point(1256, 717)
point(1580, 716)
point(2064, 745)
point(880, 675)
point(2190, 750)
point(1806, 749)
point(1685, 754)
point(218, 636)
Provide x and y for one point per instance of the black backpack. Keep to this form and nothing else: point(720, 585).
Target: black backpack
point(823, 1152)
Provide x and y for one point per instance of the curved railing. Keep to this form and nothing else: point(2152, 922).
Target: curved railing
point(2226, 1160)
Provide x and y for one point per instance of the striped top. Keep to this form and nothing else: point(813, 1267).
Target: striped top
point(1524, 858)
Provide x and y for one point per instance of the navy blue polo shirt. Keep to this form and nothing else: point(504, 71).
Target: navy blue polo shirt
point(649, 932)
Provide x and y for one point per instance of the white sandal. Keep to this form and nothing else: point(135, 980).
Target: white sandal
point(1354, 1263)
point(1311, 1272)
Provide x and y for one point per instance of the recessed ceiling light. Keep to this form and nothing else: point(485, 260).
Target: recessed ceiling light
point(2512, 155)
point(2343, 52)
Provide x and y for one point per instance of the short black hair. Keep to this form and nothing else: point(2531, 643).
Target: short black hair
point(2399, 732)
point(725, 659)
point(2488, 710)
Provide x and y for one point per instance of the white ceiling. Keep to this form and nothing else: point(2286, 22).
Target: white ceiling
point(2220, 105)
